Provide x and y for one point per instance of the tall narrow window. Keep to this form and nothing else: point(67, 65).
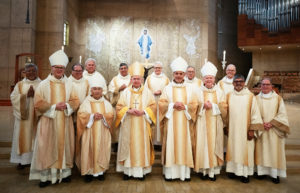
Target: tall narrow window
point(66, 33)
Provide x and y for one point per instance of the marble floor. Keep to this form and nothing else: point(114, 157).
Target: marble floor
point(17, 182)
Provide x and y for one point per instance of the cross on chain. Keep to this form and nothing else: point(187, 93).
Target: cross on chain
point(135, 103)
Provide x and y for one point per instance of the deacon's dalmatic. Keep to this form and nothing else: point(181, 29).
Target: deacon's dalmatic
point(115, 88)
point(270, 144)
point(156, 82)
point(243, 119)
point(25, 117)
point(208, 152)
point(226, 83)
point(135, 112)
point(178, 105)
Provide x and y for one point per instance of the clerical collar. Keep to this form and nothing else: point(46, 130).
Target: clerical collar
point(208, 89)
point(157, 76)
point(179, 84)
point(89, 74)
point(76, 80)
point(136, 89)
point(27, 80)
point(242, 92)
point(188, 80)
point(123, 77)
point(228, 80)
point(57, 78)
point(96, 100)
point(269, 95)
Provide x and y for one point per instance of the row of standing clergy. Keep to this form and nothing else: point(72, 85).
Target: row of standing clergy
point(200, 112)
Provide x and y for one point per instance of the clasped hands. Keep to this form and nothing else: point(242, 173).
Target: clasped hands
point(207, 105)
point(61, 106)
point(98, 116)
point(30, 92)
point(179, 106)
point(135, 112)
point(267, 126)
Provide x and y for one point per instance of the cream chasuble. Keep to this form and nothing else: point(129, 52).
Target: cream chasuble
point(25, 122)
point(114, 95)
point(270, 145)
point(154, 83)
point(243, 115)
point(226, 85)
point(96, 76)
point(209, 135)
point(80, 87)
point(135, 150)
point(54, 144)
point(177, 156)
point(93, 140)
point(195, 82)
point(114, 86)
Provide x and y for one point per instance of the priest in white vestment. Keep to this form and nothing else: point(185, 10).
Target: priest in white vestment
point(90, 73)
point(226, 83)
point(79, 83)
point(209, 135)
point(270, 144)
point(115, 88)
point(55, 101)
point(80, 86)
point(135, 112)
point(178, 106)
point(243, 120)
point(191, 78)
point(25, 117)
point(156, 82)
point(93, 140)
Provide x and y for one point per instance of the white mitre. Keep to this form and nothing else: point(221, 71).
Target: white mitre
point(94, 82)
point(59, 58)
point(209, 69)
point(179, 64)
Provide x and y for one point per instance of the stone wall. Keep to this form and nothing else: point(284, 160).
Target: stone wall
point(109, 31)
point(16, 37)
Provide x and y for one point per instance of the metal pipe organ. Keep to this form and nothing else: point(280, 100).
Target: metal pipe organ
point(275, 15)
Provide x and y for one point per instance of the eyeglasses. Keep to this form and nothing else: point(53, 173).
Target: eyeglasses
point(266, 84)
point(238, 81)
point(123, 68)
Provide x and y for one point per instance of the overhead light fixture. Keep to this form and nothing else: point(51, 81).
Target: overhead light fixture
point(279, 47)
point(27, 21)
point(259, 48)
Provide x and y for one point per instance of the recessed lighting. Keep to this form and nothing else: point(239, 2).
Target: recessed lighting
point(259, 48)
point(279, 47)
point(243, 49)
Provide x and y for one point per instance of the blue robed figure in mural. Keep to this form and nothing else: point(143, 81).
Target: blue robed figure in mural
point(145, 42)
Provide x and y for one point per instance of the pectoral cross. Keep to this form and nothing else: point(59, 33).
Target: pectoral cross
point(135, 103)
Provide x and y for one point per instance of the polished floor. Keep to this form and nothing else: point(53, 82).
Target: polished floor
point(15, 181)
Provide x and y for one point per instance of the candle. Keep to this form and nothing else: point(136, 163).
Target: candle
point(80, 59)
point(62, 48)
point(224, 55)
point(205, 61)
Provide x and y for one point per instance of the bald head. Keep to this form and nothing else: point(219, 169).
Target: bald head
point(230, 71)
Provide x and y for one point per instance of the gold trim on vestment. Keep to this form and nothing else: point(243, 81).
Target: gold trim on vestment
point(58, 94)
point(137, 135)
point(209, 120)
point(180, 127)
point(97, 107)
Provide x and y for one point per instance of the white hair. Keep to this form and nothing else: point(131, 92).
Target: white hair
point(90, 59)
point(231, 65)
